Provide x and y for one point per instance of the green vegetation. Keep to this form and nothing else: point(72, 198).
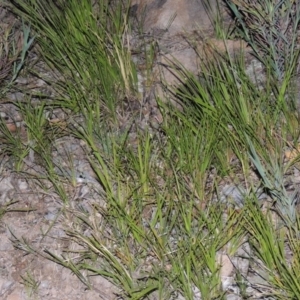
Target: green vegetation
point(161, 226)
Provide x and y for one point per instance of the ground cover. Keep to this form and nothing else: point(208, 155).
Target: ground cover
point(198, 200)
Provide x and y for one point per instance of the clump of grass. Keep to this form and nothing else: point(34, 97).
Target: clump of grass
point(215, 11)
point(14, 46)
point(31, 285)
point(270, 27)
point(93, 60)
point(15, 43)
point(272, 244)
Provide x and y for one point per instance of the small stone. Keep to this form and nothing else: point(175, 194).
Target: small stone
point(22, 185)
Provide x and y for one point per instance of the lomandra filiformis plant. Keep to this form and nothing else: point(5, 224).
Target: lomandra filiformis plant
point(14, 46)
point(270, 27)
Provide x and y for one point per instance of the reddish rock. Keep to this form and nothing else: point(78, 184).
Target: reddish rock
point(174, 15)
point(184, 35)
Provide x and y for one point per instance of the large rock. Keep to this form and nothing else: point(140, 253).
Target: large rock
point(172, 15)
point(184, 35)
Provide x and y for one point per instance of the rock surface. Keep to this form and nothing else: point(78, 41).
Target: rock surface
point(175, 16)
point(184, 35)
